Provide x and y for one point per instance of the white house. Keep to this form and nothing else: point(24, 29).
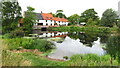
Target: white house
point(46, 19)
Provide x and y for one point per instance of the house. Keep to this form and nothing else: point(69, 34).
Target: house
point(46, 19)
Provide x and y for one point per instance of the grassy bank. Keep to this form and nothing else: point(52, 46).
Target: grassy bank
point(76, 60)
point(83, 29)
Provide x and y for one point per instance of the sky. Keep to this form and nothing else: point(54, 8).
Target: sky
point(69, 7)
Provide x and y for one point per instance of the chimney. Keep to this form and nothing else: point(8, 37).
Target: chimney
point(41, 11)
point(50, 12)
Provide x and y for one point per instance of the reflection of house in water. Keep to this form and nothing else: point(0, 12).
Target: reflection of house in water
point(51, 34)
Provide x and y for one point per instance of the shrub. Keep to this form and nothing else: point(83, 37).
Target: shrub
point(65, 57)
point(39, 44)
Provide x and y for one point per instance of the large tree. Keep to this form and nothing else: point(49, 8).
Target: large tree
point(29, 19)
point(11, 12)
point(59, 13)
point(88, 14)
point(109, 18)
point(74, 19)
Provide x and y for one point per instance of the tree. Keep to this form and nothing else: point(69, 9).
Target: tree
point(113, 47)
point(11, 12)
point(74, 19)
point(89, 14)
point(109, 18)
point(59, 13)
point(29, 19)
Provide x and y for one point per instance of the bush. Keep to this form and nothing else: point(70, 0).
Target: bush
point(41, 45)
point(17, 33)
point(16, 43)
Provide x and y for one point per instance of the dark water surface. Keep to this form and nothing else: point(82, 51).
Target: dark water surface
point(71, 43)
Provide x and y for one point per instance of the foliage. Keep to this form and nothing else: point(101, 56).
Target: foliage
point(16, 43)
point(81, 29)
point(11, 12)
point(113, 47)
point(65, 57)
point(16, 33)
point(89, 14)
point(109, 18)
point(38, 44)
point(59, 13)
point(91, 22)
point(29, 20)
point(118, 25)
point(74, 19)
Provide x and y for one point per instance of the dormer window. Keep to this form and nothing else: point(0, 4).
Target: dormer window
point(50, 17)
point(46, 17)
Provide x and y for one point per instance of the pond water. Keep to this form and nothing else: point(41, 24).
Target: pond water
point(71, 43)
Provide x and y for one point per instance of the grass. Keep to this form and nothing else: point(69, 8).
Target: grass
point(76, 60)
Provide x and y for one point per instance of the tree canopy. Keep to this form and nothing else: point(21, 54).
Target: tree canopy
point(109, 18)
point(11, 12)
point(59, 13)
point(29, 19)
point(88, 14)
point(74, 19)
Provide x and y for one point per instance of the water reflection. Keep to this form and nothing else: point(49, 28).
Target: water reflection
point(70, 47)
point(85, 38)
point(50, 34)
point(70, 43)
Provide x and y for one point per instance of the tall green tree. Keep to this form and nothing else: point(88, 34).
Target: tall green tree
point(11, 12)
point(29, 19)
point(59, 13)
point(113, 47)
point(109, 18)
point(74, 19)
point(89, 14)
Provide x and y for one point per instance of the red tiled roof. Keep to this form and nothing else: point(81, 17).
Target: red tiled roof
point(47, 16)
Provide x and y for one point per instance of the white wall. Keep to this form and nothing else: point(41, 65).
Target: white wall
point(51, 23)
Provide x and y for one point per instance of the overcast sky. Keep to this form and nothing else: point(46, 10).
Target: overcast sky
point(69, 6)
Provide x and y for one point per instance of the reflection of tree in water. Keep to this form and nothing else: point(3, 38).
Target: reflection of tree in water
point(85, 38)
point(104, 37)
point(113, 47)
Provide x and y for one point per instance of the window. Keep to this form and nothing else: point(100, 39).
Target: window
point(51, 20)
point(40, 23)
point(46, 17)
point(46, 20)
point(59, 21)
point(50, 17)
